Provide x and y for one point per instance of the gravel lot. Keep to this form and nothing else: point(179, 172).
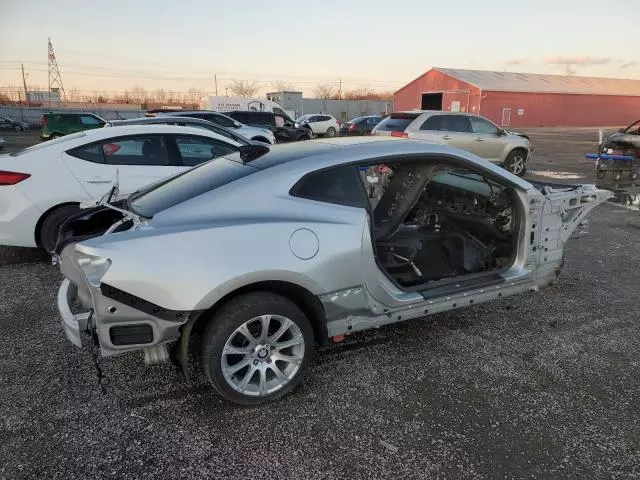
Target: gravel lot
point(543, 385)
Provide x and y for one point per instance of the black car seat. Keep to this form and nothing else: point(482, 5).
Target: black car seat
point(405, 187)
point(397, 253)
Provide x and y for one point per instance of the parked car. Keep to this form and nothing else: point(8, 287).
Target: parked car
point(43, 185)
point(186, 122)
point(252, 133)
point(3, 144)
point(266, 255)
point(322, 125)
point(56, 124)
point(617, 165)
point(473, 133)
point(360, 125)
point(7, 123)
point(283, 129)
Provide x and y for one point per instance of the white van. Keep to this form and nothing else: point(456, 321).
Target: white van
point(230, 104)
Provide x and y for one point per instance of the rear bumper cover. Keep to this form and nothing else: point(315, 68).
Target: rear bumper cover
point(72, 324)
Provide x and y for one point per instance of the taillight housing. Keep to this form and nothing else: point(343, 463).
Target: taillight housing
point(44, 121)
point(11, 178)
point(352, 127)
point(400, 134)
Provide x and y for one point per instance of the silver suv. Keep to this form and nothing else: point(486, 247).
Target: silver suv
point(472, 133)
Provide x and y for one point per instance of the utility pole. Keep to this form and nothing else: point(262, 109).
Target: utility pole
point(24, 83)
point(340, 89)
point(215, 79)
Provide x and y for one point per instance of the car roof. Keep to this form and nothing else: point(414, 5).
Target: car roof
point(330, 152)
point(435, 112)
point(97, 134)
point(71, 113)
point(253, 112)
point(161, 119)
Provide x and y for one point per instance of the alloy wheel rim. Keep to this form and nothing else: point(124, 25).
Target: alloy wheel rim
point(263, 355)
point(517, 164)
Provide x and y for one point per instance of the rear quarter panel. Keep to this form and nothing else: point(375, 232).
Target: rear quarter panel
point(192, 267)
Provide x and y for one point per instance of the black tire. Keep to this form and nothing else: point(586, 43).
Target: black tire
point(302, 138)
point(222, 327)
point(48, 235)
point(516, 162)
point(17, 128)
point(53, 136)
point(331, 132)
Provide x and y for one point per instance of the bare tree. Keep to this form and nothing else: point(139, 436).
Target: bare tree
point(324, 91)
point(283, 86)
point(364, 93)
point(160, 95)
point(74, 94)
point(243, 88)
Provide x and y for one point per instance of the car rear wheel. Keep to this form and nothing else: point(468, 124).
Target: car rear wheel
point(257, 348)
point(17, 128)
point(516, 163)
point(331, 132)
point(50, 226)
point(53, 136)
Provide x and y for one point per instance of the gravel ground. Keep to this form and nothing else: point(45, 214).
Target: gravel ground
point(542, 385)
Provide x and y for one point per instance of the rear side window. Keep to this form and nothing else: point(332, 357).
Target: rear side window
point(89, 120)
point(197, 150)
point(456, 123)
point(339, 185)
point(240, 117)
point(396, 123)
point(91, 153)
point(259, 119)
point(432, 123)
point(190, 184)
point(143, 150)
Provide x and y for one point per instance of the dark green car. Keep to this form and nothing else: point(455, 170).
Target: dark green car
point(55, 124)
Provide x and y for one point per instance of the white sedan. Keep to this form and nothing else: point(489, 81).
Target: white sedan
point(43, 185)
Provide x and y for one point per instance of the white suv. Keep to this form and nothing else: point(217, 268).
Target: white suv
point(320, 124)
point(472, 133)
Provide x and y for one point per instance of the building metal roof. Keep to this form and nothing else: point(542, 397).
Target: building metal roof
point(539, 83)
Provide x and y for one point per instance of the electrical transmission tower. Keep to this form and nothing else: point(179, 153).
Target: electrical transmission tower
point(55, 80)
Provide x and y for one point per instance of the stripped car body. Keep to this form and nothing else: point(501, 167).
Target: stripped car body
point(617, 164)
point(424, 228)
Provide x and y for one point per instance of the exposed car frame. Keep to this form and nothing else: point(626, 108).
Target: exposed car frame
point(262, 251)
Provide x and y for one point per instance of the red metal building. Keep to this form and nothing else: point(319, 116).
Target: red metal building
point(524, 99)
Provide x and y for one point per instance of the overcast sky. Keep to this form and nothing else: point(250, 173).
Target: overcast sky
point(176, 44)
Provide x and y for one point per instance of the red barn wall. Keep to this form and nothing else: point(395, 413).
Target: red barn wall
point(561, 109)
point(409, 97)
point(539, 109)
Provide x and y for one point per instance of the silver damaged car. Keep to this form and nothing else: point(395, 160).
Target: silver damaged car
point(273, 250)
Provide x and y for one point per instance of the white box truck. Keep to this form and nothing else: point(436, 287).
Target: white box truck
point(222, 103)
